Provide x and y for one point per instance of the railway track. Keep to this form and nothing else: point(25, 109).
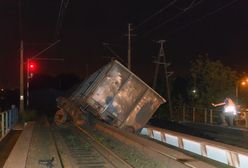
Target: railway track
point(95, 146)
point(83, 147)
point(77, 148)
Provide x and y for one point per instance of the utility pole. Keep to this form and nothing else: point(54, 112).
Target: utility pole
point(21, 106)
point(28, 77)
point(161, 60)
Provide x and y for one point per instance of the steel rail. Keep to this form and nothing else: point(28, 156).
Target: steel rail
point(111, 157)
point(168, 156)
point(76, 151)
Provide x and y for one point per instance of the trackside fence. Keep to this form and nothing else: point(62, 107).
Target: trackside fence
point(196, 114)
point(7, 119)
point(230, 155)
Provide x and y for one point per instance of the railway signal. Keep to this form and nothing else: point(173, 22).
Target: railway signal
point(32, 68)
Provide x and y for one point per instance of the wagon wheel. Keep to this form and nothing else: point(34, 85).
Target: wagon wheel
point(129, 128)
point(60, 117)
point(79, 119)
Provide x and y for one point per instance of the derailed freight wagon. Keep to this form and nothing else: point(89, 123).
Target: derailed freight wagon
point(115, 95)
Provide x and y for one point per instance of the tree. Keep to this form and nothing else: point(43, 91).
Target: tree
point(212, 81)
point(179, 93)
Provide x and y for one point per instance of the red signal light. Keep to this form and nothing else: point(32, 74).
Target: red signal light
point(32, 66)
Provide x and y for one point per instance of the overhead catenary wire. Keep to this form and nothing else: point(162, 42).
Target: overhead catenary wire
point(107, 46)
point(189, 6)
point(192, 5)
point(204, 16)
point(60, 17)
point(63, 6)
point(20, 19)
point(155, 14)
point(42, 51)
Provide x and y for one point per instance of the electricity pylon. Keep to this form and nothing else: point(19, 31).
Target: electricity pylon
point(161, 60)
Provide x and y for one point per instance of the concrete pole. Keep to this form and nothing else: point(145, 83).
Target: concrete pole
point(28, 76)
point(237, 93)
point(21, 106)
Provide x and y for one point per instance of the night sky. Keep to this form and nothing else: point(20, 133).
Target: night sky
point(191, 27)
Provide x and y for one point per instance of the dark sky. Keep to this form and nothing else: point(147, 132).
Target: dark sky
point(219, 28)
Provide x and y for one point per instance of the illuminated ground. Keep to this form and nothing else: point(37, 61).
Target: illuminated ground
point(7, 144)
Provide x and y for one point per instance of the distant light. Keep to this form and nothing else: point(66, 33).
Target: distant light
point(194, 91)
point(2, 89)
point(243, 83)
point(21, 97)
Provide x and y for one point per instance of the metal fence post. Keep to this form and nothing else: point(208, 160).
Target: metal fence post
point(12, 118)
point(203, 150)
point(2, 124)
point(205, 115)
point(211, 116)
point(9, 119)
point(15, 115)
point(183, 113)
point(6, 122)
point(180, 142)
point(193, 117)
point(246, 120)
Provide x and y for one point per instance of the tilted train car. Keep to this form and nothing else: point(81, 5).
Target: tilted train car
point(116, 95)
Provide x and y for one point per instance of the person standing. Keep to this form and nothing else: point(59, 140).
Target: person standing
point(229, 111)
